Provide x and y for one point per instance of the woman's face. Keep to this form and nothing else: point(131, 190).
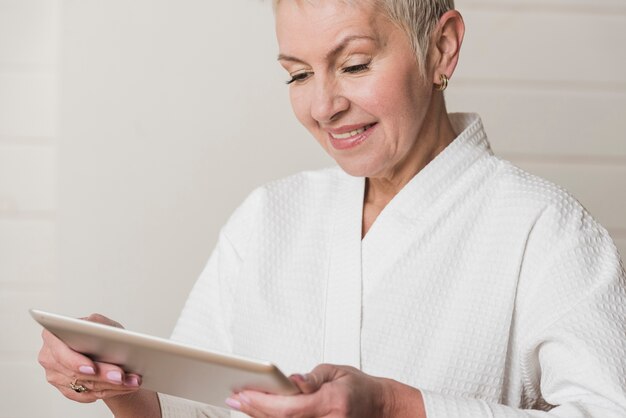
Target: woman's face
point(355, 84)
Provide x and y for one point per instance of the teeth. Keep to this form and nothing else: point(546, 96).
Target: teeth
point(351, 133)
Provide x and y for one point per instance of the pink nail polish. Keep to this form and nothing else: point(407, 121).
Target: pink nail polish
point(87, 370)
point(132, 381)
point(301, 377)
point(244, 398)
point(115, 377)
point(233, 403)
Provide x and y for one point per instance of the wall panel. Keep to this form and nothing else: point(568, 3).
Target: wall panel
point(555, 6)
point(563, 49)
point(27, 252)
point(25, 338)
point(547, 122)
point(28, 105)
point(27, 395)
point(27, 179)
point(27, 41)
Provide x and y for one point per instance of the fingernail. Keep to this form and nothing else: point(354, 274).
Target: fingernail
point(132, 381)
point(233, 403)
point(86, 370)
point(115, 377)
point(244, 398)
point(305, 377)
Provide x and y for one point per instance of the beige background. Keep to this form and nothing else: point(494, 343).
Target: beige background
point(129, 130)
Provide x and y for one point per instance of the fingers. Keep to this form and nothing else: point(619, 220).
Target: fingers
point(64, 366)
point(312, 402)
point(112, 377)
point(326, 391)
point(101, 319)
point(56, 356)
point(313, 381)
point(95, 389)
point(262, 405)
point(108, 381)
point(94, 392)
point(62, 383)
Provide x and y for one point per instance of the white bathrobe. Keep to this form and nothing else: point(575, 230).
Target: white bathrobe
point(489, 289)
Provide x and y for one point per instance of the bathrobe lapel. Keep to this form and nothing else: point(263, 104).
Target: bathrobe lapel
point(416, 209)
point(356, 266)
point(342, 329)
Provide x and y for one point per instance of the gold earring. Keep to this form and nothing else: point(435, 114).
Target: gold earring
point(444, 82)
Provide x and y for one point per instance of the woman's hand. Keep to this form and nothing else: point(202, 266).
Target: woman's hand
point(335, 391)
point(79, 378)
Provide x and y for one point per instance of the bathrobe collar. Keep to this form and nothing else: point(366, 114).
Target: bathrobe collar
point(351, 261)
point(444, 170)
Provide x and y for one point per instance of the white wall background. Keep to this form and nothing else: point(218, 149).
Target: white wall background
point(129, 130)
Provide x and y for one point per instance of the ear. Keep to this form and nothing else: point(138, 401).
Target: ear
point(446, 45)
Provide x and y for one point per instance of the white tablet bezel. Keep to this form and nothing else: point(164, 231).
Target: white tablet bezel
point(167, 366)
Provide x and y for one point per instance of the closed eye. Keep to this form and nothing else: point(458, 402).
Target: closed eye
point(353, 69)
point(299, 77)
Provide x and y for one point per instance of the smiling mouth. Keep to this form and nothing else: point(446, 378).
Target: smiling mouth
point(350, 134)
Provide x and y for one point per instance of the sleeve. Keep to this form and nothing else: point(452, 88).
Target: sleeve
point(203, 322)
point(173, 407)
point(571, 337)
point(205, 318)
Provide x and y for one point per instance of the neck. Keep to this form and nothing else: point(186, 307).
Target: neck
point(380, 190)
point(434, 138)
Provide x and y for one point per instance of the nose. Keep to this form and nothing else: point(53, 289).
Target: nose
point(328, 102)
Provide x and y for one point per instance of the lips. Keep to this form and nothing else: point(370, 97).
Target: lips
point(349, 137)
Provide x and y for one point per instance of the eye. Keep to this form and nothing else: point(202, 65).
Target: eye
point(353, 69)
point(298, 77)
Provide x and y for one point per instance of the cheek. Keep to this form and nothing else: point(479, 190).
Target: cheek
point(401, 103)
point(385, 98)
point(301, 106)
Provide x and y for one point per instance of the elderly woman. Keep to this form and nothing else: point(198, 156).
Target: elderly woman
point(423, 277)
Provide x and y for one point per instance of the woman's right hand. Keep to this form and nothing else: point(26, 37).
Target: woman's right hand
point(66, 368)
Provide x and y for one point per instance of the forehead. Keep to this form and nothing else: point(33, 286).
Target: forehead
point(305, 23)
point(276, 2)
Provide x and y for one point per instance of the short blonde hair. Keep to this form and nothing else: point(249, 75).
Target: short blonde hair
point(418, 18)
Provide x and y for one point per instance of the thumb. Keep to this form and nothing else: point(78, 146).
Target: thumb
point(313, 381)
point(101, 319)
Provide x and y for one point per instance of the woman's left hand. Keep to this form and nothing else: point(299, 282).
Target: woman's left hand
point(334, 391)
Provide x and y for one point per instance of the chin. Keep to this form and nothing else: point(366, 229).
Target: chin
point(357, 168)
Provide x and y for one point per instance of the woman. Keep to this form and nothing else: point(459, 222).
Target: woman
point(472, 288)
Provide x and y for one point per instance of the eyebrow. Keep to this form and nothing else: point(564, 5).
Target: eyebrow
point(332, 53)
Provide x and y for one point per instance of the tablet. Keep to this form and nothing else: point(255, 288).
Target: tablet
point(166, 366)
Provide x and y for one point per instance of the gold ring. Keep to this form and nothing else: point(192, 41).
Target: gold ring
point(78, 388)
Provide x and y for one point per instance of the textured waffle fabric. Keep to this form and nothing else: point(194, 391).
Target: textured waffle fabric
point(491, 290)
